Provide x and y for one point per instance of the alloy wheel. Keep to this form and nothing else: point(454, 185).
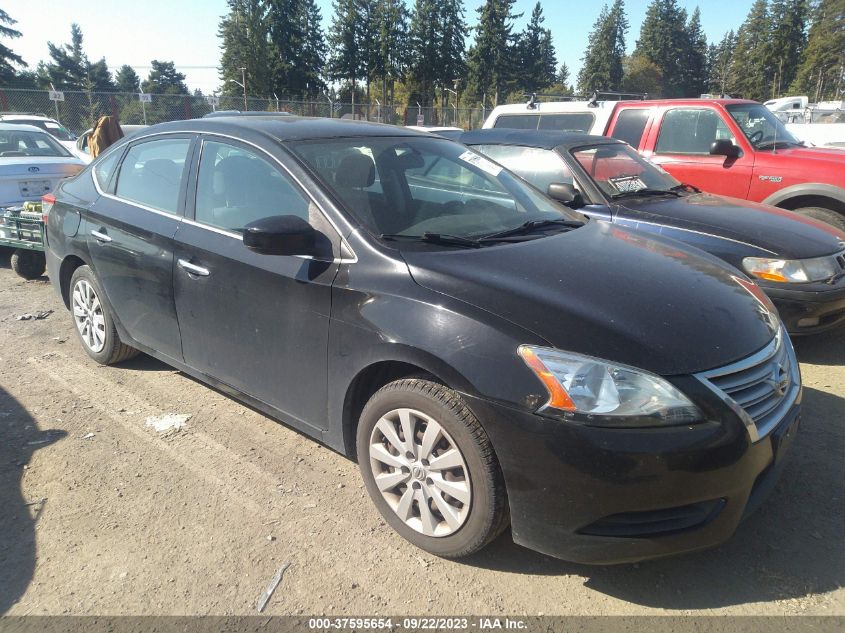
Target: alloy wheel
point(88, 316)
point(420, 472)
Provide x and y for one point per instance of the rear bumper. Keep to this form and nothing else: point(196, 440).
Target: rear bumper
point(809, 312)
point(605, 496)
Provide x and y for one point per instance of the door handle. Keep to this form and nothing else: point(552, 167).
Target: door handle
point(193, 268)
point(100, 237)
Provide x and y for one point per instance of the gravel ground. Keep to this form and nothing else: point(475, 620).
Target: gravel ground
point(102, 514)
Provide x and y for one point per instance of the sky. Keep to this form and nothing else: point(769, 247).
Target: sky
point(185, 31)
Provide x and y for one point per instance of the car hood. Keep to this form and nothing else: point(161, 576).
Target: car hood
point(611, 293)
point(767, 229)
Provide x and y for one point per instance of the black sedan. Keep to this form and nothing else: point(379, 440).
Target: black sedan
point(488, 355)
point(799, 262)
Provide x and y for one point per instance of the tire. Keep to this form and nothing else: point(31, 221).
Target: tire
point(5, 254)
point(824, 215)
point(93, 321)
point(477, 514)
point(28, 264)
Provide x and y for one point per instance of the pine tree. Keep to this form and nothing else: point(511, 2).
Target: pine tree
point(126, 80)
point(642, 76)
point(8, 58)
point(99, 78)
point(313, 51)
point(243, 32)
point(453, 33)
point(821, 74)
point(602, 67)
point(389, 55)
point(164, 79)
point(695, 67)
point(68, 68)
point(436, 42)
point(537, 53)
point(563, 75)
point(493, 64)
point(789, 39)
point(719, 60)
point(347, 60)
point(752, 67)
point(663, 41)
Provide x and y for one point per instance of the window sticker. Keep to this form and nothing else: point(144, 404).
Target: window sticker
point(627, 184)
point(482, 163)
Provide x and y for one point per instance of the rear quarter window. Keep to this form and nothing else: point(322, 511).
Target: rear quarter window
point(630, 125)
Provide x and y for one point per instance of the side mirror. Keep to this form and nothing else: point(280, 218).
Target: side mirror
point(566, 193)
point(724, 147)
point(280, 235)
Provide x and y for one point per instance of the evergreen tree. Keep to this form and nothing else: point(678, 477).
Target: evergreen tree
point(752, 68)
point(68, 68)
point(313, 51)
point(347, 33)
point(453, 33)
point(537, 53)
point(695, 70)
point(563, 75)
point(664, 42)
point(164, 79)
point(642, 76)
point(243, 32)
point(492, 64)
point(436, 42)
point(789, 39)
point(126, 80)
point(99, 78)
point(389, 55)
point(8, 58)
point(602, 68)
point(820, 75)
point(719, 60)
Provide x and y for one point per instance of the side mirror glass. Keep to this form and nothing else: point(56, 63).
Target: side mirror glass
point(724, 147)
point(566, 193)
point(280, 235)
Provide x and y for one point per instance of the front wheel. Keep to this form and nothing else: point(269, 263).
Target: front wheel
point(430, 468)
point(93, 320)
point(824, 215)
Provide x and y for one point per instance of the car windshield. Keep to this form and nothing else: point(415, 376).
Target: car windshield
point(56, 129)
point(540, 167)
point(22, 143)
point(419, 186)
point(619, 171)
point(761, 127)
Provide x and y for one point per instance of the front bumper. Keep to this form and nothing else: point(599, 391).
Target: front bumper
point(602, 496)
point(809, 311)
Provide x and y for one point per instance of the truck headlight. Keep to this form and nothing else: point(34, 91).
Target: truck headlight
point(791, 270)
point(608, 393)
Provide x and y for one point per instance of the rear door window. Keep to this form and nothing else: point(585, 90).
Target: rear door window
point(151, 173)
point(630, 125)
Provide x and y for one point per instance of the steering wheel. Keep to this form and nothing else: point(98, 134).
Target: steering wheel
point(755, 136)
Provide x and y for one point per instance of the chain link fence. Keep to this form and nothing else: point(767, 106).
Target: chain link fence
point(79, 110)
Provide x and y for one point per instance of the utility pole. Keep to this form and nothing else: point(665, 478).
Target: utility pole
point(243, 84)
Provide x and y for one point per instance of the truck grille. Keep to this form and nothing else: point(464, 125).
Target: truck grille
point(760, 388)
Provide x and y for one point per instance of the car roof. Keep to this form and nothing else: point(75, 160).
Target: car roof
point(219, 113)
point(543, 139)
point(25, 115)
point(20, 127)
point(284, 128)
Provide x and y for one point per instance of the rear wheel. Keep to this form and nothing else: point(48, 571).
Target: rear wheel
point(93, 320)
point(28, 264)
point(430, 468)
point(824, 215)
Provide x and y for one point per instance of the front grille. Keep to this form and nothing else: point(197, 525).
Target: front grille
point(760, 388)
point(656, 522)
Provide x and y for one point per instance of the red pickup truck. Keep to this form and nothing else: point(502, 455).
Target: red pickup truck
point(731, 147)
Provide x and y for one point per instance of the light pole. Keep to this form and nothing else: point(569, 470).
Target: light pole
point(454, 92)
point(242, 85)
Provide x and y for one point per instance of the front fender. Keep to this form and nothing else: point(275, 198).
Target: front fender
point(805, 189)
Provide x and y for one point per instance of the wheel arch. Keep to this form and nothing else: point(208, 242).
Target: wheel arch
point(66, 269)
point(809, 195)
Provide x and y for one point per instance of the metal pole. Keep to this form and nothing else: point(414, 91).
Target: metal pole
point(277, 101)
point(55, 103)
point(243, 78)
point(144, 110)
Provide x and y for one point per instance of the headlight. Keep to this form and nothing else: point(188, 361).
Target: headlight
point(791, 270)
point(608, 393)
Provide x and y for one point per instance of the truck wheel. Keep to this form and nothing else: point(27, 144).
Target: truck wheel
point(93, 320)
point(430, 468)
point(28, 264)
point(824, 215)
point(5, 254)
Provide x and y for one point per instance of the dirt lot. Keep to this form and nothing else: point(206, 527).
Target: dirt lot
point(131, 521)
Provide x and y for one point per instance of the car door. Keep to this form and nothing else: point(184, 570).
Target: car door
point(256, 322)
point(682, 147)
point(130, 232)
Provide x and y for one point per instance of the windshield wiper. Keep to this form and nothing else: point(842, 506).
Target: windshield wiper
point(527, 227)
point(647, 192)
point(686, 188)
point(434, 238)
